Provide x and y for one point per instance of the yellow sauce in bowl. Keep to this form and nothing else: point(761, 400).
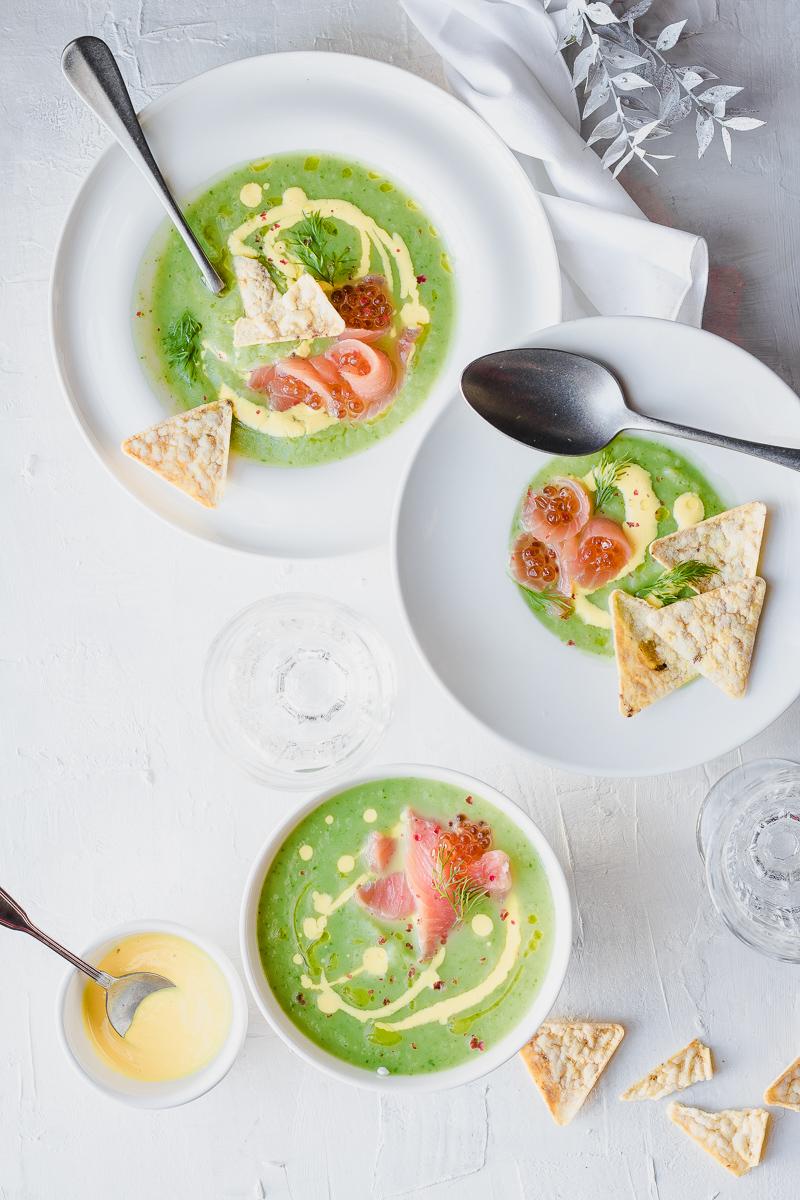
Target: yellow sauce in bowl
point(176, 1031)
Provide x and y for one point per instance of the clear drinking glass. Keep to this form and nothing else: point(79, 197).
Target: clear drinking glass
point(748, 833)
point(298, 689)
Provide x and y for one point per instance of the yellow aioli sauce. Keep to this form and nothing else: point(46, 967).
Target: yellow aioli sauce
point(482, 925)
point(295, 422)
point(251, 195)
point(444, 1010)
point(688, 510)
point(640, 527)
point(175, 1031)
point(391, 249)
point(375, 962)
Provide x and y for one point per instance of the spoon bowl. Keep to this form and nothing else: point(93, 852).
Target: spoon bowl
point(123, 994)
point(565, 403)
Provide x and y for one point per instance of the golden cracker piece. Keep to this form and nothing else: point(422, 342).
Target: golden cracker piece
point(647, 668)
point(785, 1090)
point(715, 632)
point(731, 542)
point(566, 1058)
point(734, 1137)
point(189, 450)
point(690, 1065)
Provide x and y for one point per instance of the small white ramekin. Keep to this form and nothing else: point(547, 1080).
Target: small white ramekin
point(81, 1053)
point(482, 1062)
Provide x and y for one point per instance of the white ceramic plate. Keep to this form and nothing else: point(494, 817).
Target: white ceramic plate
point(481, 640)
point(541, 1002)
point(466, 180)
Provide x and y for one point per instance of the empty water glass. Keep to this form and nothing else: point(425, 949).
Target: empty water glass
point(748, 832)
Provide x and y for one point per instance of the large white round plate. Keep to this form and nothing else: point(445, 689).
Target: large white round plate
point(486, 647)
point(466, 180)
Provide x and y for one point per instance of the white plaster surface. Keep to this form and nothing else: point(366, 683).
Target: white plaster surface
point(115, 805)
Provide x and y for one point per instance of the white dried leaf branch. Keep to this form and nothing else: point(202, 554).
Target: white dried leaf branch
point(617, 66)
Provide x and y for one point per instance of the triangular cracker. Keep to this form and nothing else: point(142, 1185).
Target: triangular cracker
point(731, 542)
point(566, 1058)
point(785, 1090)
point(690, 1065)
point(189, 450)
point(646, 666)
point(734, 1137)
point(715, 632)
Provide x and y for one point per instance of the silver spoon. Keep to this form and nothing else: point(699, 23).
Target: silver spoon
point(564, 403)
point(123, 994)
point(91, 68)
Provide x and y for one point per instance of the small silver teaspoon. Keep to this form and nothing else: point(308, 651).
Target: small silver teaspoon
point(123, 995)
point(91, 68)
point(564, 403)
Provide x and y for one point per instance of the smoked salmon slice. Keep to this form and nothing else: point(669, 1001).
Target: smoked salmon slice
point(378, 851)
point(389, 897)
point(557, 511)
point(597, 554)
point(367, 371)
point(492, 871)
point(436, 915)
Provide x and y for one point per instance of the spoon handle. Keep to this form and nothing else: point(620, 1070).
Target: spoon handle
point(785, 456)
point(13, 916)
point(90, 67)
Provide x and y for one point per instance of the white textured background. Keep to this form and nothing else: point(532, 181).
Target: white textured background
point(109, 777)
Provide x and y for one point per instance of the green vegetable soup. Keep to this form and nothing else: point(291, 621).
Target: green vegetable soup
point(338, 225)
point(663, 476)
point(355, 982)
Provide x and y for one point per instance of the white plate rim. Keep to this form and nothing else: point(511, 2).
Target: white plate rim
point(425, 419)
point(553, 761)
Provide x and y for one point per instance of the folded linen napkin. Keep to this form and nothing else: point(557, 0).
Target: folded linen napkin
point(501, 59)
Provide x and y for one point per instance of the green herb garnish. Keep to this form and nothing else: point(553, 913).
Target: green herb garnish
point(548, 602)
point(276, 275)
point(182, 345)
point(607, 474)
point(310, 242)
point(451, 881)
point(674, 585)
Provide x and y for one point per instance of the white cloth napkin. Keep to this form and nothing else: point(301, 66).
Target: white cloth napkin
point(501, 58)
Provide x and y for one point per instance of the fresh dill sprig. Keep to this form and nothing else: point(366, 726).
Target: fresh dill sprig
point(549, 602)
point(674, 584)
point(182, 345)
point(276, 275)
point(607, 474)
point(452, 882)
point(310, 242)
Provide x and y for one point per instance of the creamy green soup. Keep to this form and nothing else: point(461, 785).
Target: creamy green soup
point(355, 983)
point(661, 489)
point(369, 228)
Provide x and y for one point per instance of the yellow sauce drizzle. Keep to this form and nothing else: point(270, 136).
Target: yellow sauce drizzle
point(251, 194)
point(640, 527)
point(375, 961)
point(688, 510)
point(445, 1009)
point(295, 422)
point(391, 249)
point(329, 1001)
